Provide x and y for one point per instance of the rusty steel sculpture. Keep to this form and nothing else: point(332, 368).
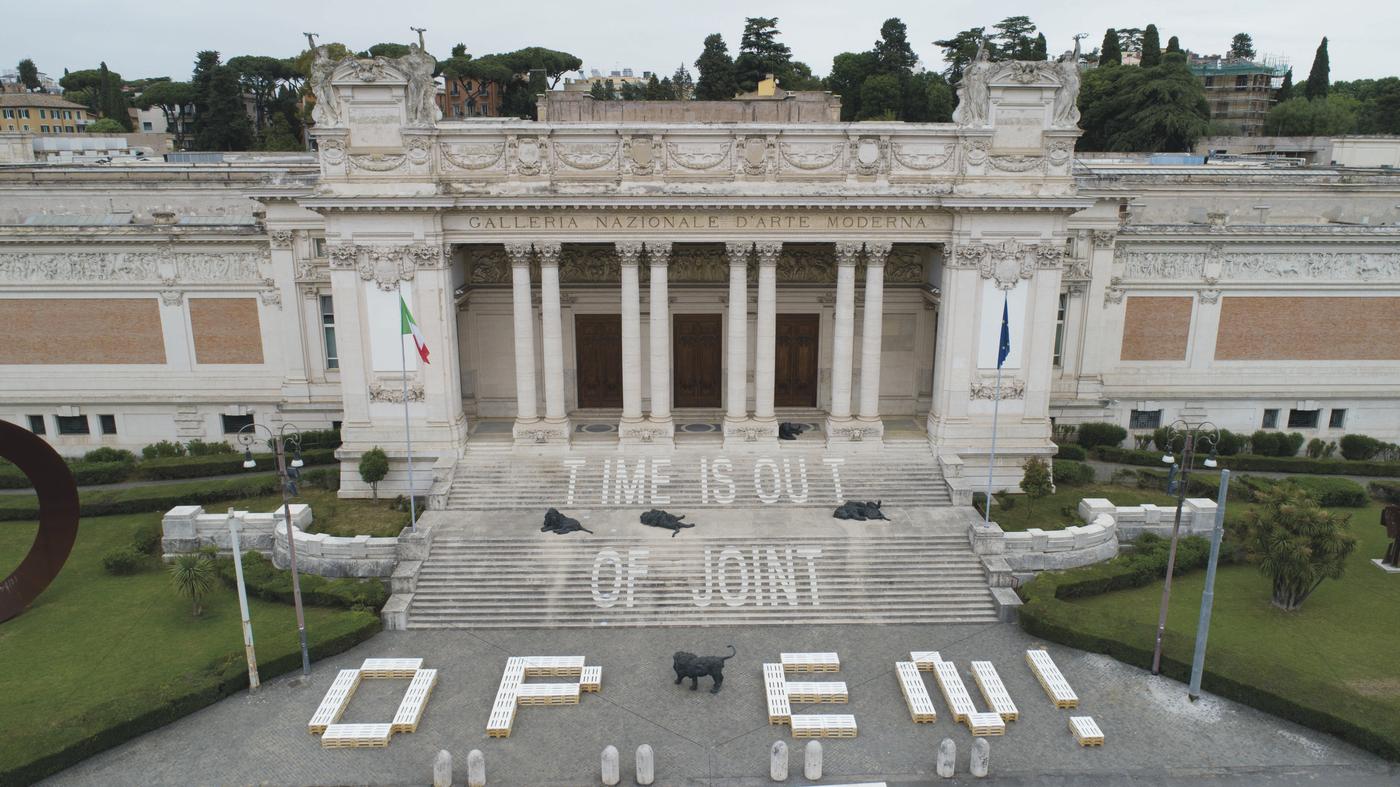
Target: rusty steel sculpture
point(58, 517)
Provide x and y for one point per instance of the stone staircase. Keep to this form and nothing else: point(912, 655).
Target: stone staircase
point(476, 580)
point(901, 474)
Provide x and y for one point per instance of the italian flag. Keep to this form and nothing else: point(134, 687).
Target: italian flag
point(409, 325)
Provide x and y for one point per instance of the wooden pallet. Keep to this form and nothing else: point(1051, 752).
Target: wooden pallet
point(350, 736)
point(514, 691)
point(415, 701)
point(824, 691)
point(390, 668)
point(335, 702)
point(1086, 730)
point(911, 685)
point(950, 684)
point(924, 659)
point(823, 726)
point(775, 687)
point(547, 694)
point(502, 718)
point(810, 662)
point(591, 679)
point(994, 691)
point(986, 724)
point(552, 666)
point(1054, 683)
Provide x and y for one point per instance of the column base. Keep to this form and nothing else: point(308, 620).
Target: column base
point(854, 432)
point(542, 433)
point(647, 432)
point(750, 433)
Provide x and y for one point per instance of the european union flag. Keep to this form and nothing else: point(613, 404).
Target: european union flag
point(1005, 348)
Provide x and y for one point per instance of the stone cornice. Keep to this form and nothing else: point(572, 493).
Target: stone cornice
point(1282, 233)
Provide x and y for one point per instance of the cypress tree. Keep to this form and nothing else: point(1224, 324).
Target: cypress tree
point(1110, 52)
point(1151, 47)
point(1318, 77)
point(1286, 91)
point(205, 63)
point(1173, 44)
point(226, 125)
point(111, 101)
point(1039, 49)
point(717, 80)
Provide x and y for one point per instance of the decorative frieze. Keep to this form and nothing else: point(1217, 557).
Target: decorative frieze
point(1006, 262)
point(164, 266)
point(394, 393)
point(1010, 389)
point(1158, 264)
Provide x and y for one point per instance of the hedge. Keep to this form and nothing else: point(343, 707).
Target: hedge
point(220, 464)
point(139, 500)
point(1294, 696)
point(266, 581)
point(201, 694)
point(83, 472)
point(1385, 491)
point(1071, 451)
point(1340, 492)
point(1272, 464)
point(1096, 434)
point(1073, 473)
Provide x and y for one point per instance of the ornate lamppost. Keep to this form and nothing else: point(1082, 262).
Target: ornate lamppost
point(287, 474)
point(1192, 438)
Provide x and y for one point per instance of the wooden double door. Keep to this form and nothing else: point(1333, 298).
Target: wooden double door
point(697, 360)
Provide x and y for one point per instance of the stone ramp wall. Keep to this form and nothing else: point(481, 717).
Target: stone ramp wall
point(189, 528)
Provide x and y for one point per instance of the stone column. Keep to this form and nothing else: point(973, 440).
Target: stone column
point(629, 254)
point(737, 394)
point(843, 340)
point(660, 427)
point(553, 339)
point(872, 331)
point(765, 350)
point(526, 412)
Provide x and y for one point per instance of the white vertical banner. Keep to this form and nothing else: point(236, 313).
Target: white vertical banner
point(385, 322)
point(989, 325)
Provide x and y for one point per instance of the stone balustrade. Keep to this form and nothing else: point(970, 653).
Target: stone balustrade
point(1041, 550)
point(188, 529)
point(1197, 517)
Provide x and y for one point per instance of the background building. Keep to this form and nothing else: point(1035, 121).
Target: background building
point(1240, 92)
point(468, 98)
point(41, 114)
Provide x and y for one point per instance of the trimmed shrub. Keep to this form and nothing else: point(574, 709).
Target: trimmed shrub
point(1072, 452)
point(110, 455)
point(266, 581)
point(124, 560)
point(143, 499)
point(320, 438)
point(1359, 447)
point(1275, 464)
point(220, 464)
point(1096, 434)
point(1071, 473)
point(1231, 443)
point(84, 473)
point(1385, 491)
point(163, 449)
point(147, 538)
point(212, 448)
point(1276, 443)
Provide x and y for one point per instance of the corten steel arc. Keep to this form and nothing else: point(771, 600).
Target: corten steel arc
point(58, 517)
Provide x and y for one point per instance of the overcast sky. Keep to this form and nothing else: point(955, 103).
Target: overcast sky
point(141, 38)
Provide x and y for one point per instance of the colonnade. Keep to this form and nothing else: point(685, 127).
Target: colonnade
point(741, 424)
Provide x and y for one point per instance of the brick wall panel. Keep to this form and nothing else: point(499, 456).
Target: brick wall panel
point(80, 331)
point(1308, 328)
point(1156, 328)
point(226, 330)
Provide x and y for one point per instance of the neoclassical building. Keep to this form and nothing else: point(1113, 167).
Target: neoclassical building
point(666, 284)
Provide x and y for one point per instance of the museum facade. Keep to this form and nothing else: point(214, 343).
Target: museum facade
point(672, 285)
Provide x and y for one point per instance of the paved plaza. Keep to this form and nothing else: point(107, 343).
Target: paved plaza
point(1153, 734)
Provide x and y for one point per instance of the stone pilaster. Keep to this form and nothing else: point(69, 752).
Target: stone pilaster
point(872, 331)
point(629, 254)
point(552, 336)
point(660, 428)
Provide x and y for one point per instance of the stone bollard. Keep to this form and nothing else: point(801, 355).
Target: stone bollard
point(646, 765)
point(612, 770)
point(476, 769)
point(981, 757)
point(442, 769)
point(947, 757)
point(812, 761)
point(778, 762)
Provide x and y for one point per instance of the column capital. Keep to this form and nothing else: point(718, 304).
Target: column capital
point(548, 253)
point(876, 252)
point(738, 252)
point(847, 254)
point(658, 252)
point(629, 252)
point(519, 254)
point(768, 253)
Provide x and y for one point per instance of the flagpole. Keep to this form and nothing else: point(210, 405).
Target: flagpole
point(1003, 349)
point(407, 436)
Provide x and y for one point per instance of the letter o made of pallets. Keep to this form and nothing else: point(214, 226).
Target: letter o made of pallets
point(58, 517)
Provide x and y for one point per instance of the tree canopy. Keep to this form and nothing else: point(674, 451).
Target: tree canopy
point(1111, 52)
point(761, 53)
point(880, 83)
point(1241, 47)
point(1320, 75)
point(1151, 47)
point(261, 76)
point(1305, 117)
point(176, 102)
point(717, 80)
point(1160, 108)
point(28, 74)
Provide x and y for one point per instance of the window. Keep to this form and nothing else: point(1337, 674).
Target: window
point(1303, 419)
point(69, 129)
point(233, 423)
point(67, 114)
point(1337, 418)
point(24, 113)
point(318, 247)
point(36, 424)
point(108, 423)
point(145, 125)
point(1145, 419)
point(41, 114)
point(72, 424)
point(1270, 420)
point(336, 426)
point(1060, 330)
point(9, 113)
point(328, 330)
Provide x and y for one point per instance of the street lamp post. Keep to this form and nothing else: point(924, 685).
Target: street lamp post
point(1192, 437)
point(287, 473)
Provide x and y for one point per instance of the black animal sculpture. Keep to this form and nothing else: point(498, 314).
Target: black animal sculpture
point(555, 522)
point(855, 509)
point(790, 431)
point(671, 522)
point(689, 665)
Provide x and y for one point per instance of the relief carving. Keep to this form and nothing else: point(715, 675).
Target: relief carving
point(1010, 389)
point(472, 157)
point(585, 155)
point(698, 156)
point(394, 393)
point(811, 157)
point(922, 157)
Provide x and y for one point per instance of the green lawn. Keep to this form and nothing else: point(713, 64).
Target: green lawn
point(97, 650)
point(1060, 509)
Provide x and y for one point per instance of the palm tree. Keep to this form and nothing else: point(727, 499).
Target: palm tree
point(1298, 543)
point(193, 577)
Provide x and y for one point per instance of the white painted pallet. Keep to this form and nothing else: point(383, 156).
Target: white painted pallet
point(335, 702)
point(547, 694)
point(553, 666)
point(812, 725)
point(1054, 683)
point(591, 679)
point(415, 701)
point(954, 692)
point(775, 687)
point(924, 659)
point(810, 662)
point(986, 724)
point(346, 736)
point(390, 668)
point(514, 691)
point(820, 691)
point(502, 718)
point(911, 685)
point(1086, 730)
point(994, 691)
